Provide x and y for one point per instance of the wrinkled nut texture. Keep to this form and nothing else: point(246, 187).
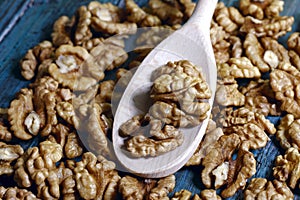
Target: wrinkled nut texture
point(18, 111)
point(273, 27)
point(260, 188)
point(294, 42)
point(241, 169)
point(16, 193)
point(34, 57)
point(259, 98)
point(261, 9)
point(227, 93)
point(44, 99)
point(181, 195)
point(83, 32)
point(8, 154)
point(287, 167)
point(238, 68)
point(285, 83)
point(131, 188)
point(255, 52)
point(96, 179)
point(288, 132)
point(209, 194)
point(210, 139)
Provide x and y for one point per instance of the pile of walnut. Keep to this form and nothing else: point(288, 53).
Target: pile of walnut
point(69, 98)
point(180, 95)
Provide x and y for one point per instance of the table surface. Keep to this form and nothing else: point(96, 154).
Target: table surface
point(25, 23)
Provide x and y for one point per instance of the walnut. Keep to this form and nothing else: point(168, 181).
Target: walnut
point(209, 194)
point(44, 99)
point(261, 9)
point(106, 89)
point(105, 11)
point(259, 97)
point(83, 32)
point(260, 188)
point(34, 57)
point(90, 129)
point(17, 113)
point(113, 28)
point(255, 52)
point(273, 27)
point(5, 134)
point(240, 170)
point(229, 18)
point(164, 138)
point(16, 193)
point(243, 116)
point(37, 165)
point(294, 59)
point(238, 68)
point(188, 8)
point(221, 151)
point(184, 83)
point(287, 167)
point(236, 174)
point(275, 53)
point(236, 47)
point(69, 71)
point(32, 123)
point(227, 93)
point(8, 154)
point(139, 16)
point(91, 43)
point(284, 81)
point(210, 138)
point(132, 188)
point(67, 112)
point(62, 31)
point(217, 33)
point(72, 147)
point(288, 132)
point(96, 178)
point(294, 42)
point(107, 56)
point(182, 195)
point(167, 13)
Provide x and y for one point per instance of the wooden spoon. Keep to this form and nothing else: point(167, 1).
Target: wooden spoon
point(191, 42)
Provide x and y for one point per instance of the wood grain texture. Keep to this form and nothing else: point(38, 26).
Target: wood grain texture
point(25, 23)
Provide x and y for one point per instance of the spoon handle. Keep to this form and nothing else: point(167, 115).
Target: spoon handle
point(203, 13)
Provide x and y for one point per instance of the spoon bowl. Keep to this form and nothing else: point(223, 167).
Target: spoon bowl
point(191, 42)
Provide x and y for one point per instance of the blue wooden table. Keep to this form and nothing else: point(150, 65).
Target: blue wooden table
point(25, 23)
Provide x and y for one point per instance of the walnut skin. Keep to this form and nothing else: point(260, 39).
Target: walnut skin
point(8, 153)
point(16, 193)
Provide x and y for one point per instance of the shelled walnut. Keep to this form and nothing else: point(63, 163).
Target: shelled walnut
point(37, 166)
point(96, 178)
point(294, 42)
point(139, 16)
point(273, 27)
point(260, 188)
point(16, 193)
point(285, 83)
point(8, 154)
point(62, 28)
point(83, 32)
point(18, 111)
point(259, 98)
point(133, 188)
point(227, 93)
point(288, 132)
point(234, 173)
point(262, 8)
point(210, 139)
point(238, 68)
point(34, 57)
point(287, 167)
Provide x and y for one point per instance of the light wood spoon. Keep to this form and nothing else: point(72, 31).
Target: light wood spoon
point(191, 42)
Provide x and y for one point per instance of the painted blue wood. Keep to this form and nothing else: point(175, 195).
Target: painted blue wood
point(25, 23)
